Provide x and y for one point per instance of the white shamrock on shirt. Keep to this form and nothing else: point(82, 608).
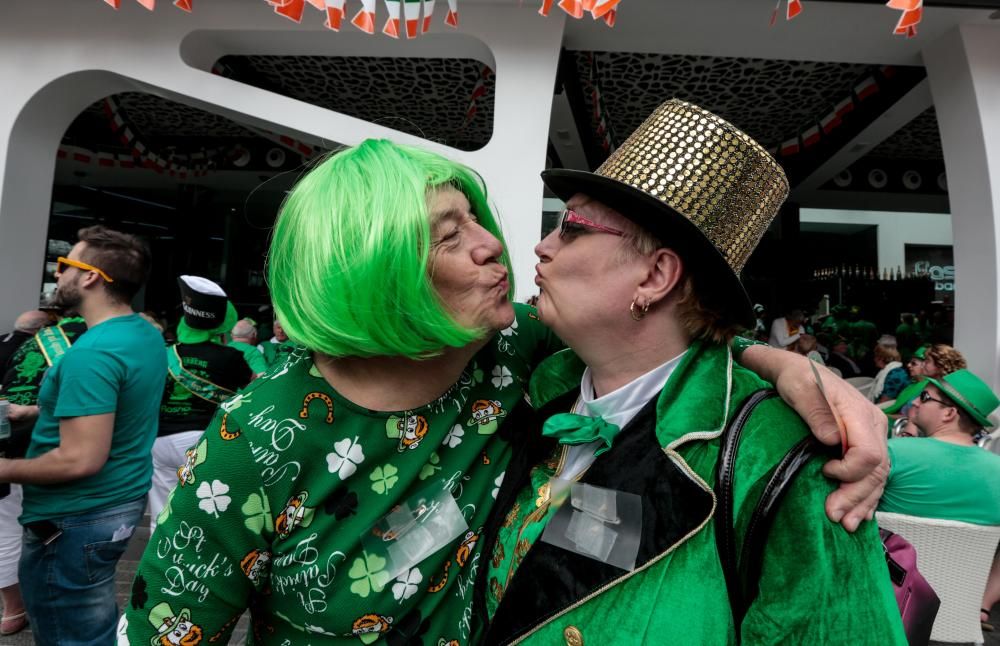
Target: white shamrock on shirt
point(501, 377)
point(122, 632)
point(407, 584)
point(510, 330)
point(498, 482)
point(213, 497)
point(454, 436)
point(346, 457)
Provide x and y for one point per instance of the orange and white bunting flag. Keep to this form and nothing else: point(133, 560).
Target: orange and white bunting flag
point(545, 8)
point(391, 27)
point(913, 12)
point(365, 19)
point(428, 12)
point(184, 5)
point(601, 8)
point(573, 7)
point(319, 4)
point(334, 14)
point(411, 14)
point(291, 9)
point(793, 9)
point(452, 18)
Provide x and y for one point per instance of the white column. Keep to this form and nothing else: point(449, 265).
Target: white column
point(81, 50)
point(964, 71)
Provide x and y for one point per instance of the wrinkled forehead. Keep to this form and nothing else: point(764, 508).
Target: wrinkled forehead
point(446, 202)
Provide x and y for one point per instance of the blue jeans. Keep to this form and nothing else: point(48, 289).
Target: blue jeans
point(69, 585)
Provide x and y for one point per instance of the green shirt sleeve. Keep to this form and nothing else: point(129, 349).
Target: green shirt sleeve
point(89, 383)
point(254, 357)
point(210, 553)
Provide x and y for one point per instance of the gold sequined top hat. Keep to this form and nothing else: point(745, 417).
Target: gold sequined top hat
point(701, 185)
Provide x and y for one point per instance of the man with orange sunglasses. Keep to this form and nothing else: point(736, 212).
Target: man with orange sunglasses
point(88, 467)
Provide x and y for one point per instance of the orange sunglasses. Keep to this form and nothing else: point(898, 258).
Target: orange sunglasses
point(60, 261)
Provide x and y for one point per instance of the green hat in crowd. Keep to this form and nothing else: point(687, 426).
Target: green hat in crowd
point(921, 352)
point(970, 393)
point(207, 310)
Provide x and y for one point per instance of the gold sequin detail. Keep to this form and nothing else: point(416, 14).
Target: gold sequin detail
point(707, 170)
point(543, 495)
point(512, 515)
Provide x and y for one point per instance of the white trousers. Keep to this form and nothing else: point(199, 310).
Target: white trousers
point(10, 536)
point(168, 456)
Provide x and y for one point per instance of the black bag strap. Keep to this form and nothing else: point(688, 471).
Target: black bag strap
point(743, 589)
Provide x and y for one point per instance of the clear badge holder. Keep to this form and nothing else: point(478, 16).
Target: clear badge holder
point(415, 529)
point(602, 524)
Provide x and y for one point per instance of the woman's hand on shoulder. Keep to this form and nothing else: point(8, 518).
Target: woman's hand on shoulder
point(864, 467)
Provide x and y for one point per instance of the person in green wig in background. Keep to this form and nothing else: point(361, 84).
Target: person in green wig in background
point(341, 497)
point(202, 373)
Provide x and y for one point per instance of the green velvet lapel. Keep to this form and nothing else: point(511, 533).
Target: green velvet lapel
point(695, 402)
point(555, 376)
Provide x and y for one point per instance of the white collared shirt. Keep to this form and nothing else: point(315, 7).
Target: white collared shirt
point(617, 407)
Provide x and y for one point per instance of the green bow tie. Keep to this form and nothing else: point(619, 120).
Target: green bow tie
point(570, 428)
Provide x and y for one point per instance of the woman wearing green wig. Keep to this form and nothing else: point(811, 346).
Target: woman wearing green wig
point(342, 495)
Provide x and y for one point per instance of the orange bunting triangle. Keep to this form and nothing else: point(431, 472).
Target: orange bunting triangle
point(794, 9)
point(610, 17)
point(412, 28)
point(904, 5)
point(588, 5)
point(365, 21)
point(545, 8)
point(148, 4)
point(572, 7)
point(113, 3)
point(451, 19)
point(391, 28)
point(183, 5)
point(910, 18)
point(319, 4)
point(292, 10)
point(333, 18)
point(603, 7)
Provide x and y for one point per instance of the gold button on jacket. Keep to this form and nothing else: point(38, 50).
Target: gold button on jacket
point(573, 636)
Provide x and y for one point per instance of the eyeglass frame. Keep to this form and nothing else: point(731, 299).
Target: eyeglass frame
point(62, 260)
point(925, 397)
point(572, 217)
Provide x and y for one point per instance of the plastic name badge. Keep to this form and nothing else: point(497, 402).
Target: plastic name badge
point(415, 529)
point(602, 524)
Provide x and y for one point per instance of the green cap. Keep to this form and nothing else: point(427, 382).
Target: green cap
point(970, 393)
point(921, 352)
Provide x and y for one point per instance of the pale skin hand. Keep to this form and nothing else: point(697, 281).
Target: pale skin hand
point(18, 413)
point(863, 470)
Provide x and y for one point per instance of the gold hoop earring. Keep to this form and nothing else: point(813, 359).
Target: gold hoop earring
point(638, 315)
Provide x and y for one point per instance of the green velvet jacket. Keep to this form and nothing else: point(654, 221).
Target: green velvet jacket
point(819, 584)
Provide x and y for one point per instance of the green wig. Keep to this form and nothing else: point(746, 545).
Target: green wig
point(349, 262)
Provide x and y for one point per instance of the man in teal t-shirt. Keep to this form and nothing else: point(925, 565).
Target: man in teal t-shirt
point(945, 475)
point(88, 467)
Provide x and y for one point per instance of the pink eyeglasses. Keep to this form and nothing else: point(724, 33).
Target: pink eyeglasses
point(570, 223)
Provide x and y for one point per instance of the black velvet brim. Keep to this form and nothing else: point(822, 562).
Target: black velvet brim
point(672, 228)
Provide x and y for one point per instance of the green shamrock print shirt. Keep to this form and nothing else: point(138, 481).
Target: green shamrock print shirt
point(332, 523)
